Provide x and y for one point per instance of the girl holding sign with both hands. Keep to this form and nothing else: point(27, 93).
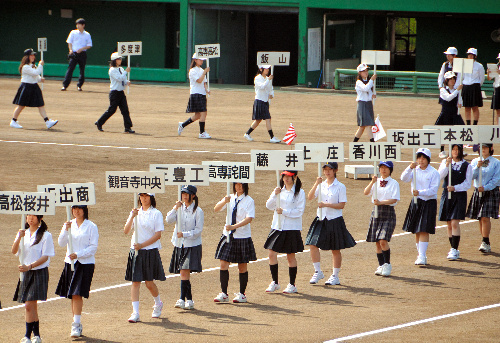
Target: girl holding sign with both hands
point(75, 285)
point(186, 257)
point(37, 250)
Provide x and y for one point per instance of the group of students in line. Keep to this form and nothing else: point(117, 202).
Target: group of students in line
point(328, 231)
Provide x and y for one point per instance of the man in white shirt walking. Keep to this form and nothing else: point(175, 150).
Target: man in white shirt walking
point(79, 41)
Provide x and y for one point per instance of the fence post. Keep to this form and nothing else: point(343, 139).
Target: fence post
point(414, 89)
point(336, 81)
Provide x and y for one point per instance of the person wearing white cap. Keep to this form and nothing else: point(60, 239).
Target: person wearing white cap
point(447, 66)
point(29, 94)
point(117, 97)
point(453, 210)
point(471, 93)
point(495, 102)
point(146, 266)
point(450, 101)
point(197, 96)
point(364, 90)
point(263, 92)
point(421, 216)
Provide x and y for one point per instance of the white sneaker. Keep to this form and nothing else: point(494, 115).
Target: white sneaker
point(290, 289)
point(248, 138)
point(386, 269)
point(49, 123)
point(442, 154)
point(239, 298)
point(421, 260)
point(273, 286)
point(333, 280)
point(180, 128)
point(221, 298)
point(180, 303)
point(76, 330)
point(157, 310)
point(379, 270)
point(189, 305)
point(134, 318)
point(274, 140)
point(485, 247)
point(36, 339)
point(204, 135)
point(25, 340)
point(15, 125)
point(316, 277)
point(452, 255)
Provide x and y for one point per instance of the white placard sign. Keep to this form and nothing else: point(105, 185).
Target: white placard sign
point(129, 48)
point(36, 203)
point(415, 138)
point(376, 57)
point(373, 151)
point(278, 159)
point(489, 134)
point(463, 65)
point(135, 182)
point(70, 194)
point(314, 49)
point(223, 171)
point(207, 50)
point(274, 58)
point(42, 44)
point(183, 174)
point(457, 134)
point(321, 152)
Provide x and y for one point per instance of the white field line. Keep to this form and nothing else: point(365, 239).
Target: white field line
point(208, 270)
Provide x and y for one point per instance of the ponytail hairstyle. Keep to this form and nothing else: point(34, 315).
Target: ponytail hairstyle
point(193, 63)
point(41, 229)
point(195, 199)
point(297, 182)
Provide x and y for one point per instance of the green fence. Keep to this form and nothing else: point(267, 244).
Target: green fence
point(399, 81)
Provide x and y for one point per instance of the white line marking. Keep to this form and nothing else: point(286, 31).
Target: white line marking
point(390, 328)
point(212, 269)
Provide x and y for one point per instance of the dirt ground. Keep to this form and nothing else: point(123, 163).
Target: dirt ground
point(74, 151)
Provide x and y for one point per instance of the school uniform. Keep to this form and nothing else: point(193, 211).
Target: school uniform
point(198, 94)
point(84, 241)
point(117, 98)
point(240, 248)
point(328, 232)
point(29, 93)
point(449, 100)
point(187, 250)
point(495, 102)
point(78, 40)
point(147, 265)
point(263, 89)
point(461, 179)
point(364, 90)
point(286, 237)
point(421, 215)
point(487, 204)
point(36, 281)
point(383, 226)
point(471, 92)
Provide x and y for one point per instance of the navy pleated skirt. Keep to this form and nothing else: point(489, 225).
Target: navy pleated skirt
point(260, 110)
point(421, 216)
point(329, 234)
point(187, 259)
point(197, 103)
point(471, 95)
point(33, 287)
point(238, 250)
point(285, 242)
point(146, 266)
point(77, 282)
point(29, 94)
point(454, 208)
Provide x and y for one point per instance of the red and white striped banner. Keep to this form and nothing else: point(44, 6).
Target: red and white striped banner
point(290, 135)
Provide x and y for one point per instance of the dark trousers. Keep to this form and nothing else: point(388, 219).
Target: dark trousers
point(117, 99)
point(81, 60)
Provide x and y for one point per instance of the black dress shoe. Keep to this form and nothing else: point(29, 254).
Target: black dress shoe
point(99, 126)
point(129, 131)
point(79, 89)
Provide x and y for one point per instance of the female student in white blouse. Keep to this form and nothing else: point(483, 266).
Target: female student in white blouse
point(285, 237)
point(236, 245)
point(328, 230)
point(186, 257)
point(364, 99)
point(421, 216)
point(29, 94)
point(471, 93)
point(146, 266)
point(198, 97)
point(495, 101)
point(76, 285)
point(447, 66)
point(263, 93)
point(37, 250)
point(382, 227)
point(453, 210)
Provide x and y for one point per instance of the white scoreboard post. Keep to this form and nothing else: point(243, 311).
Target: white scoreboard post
point(42, 46)
point(207, 51)
point(129, 49)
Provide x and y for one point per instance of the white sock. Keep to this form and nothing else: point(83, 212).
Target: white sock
point(336, 272)
point(135, 306)
point(157, 300)
point(77, 318)
point(422, 248)
point(317, 267)
point(417, 246)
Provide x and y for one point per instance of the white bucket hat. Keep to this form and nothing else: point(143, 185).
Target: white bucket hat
point(424, 151)
point(498, 56)
point(362, 67)
point(451, 51)
point(472, 51)
point(264, 66)
point(115, 56)
point(198, 58)
point(449, 75)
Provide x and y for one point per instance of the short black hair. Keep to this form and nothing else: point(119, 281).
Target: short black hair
point(424, 155)
point(80, 21)
point(245, 187)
